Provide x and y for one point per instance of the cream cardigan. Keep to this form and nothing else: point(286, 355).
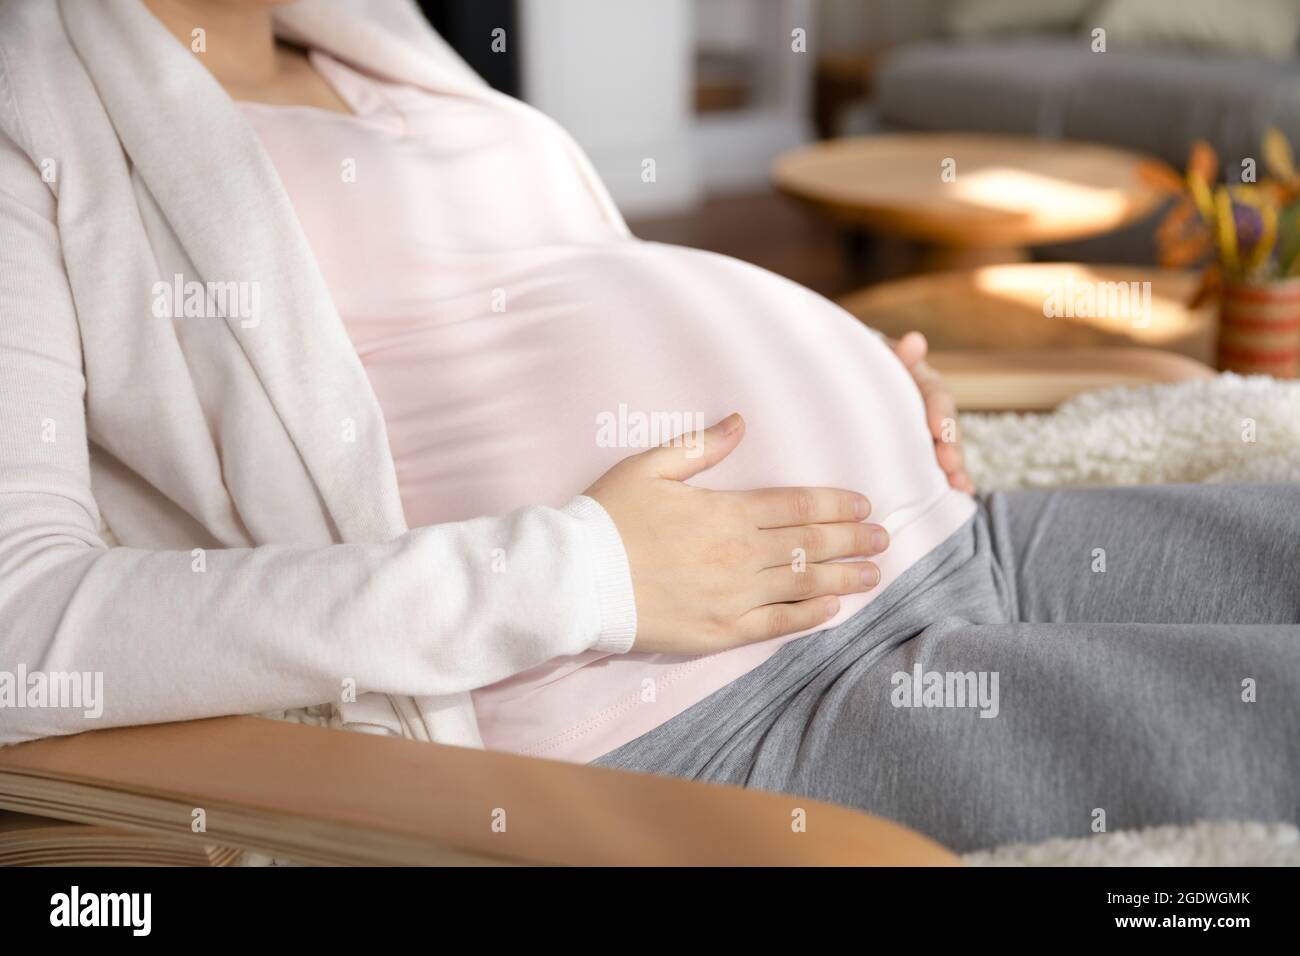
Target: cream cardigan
point(205, 510)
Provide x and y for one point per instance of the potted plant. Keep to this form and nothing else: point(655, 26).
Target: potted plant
point(1250, 233)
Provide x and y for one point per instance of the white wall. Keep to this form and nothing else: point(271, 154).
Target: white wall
point(617, 74)
point(726, 24)
point(735, 150)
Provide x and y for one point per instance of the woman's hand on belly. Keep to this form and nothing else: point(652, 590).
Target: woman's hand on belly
point(716, 569)
point(940, 409)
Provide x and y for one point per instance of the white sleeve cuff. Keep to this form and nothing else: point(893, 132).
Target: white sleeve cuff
point(615, 600)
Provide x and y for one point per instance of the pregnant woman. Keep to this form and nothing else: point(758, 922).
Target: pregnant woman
point(430, 312)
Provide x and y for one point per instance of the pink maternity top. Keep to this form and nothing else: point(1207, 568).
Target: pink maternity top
point(519, 344)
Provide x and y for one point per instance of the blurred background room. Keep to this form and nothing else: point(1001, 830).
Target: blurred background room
point(992, 172)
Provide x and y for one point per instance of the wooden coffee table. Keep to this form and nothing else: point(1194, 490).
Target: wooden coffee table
point(1005, 192)
point(1002, 308)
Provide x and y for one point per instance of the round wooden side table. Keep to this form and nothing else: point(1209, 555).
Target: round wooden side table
point(971, 198)
point(1044, 306)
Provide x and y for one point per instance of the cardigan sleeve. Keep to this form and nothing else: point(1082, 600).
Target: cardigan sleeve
point(174, 635)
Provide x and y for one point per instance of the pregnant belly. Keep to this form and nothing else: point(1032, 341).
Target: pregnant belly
point(524, 392)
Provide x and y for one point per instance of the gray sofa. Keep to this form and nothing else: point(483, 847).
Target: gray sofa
point(1053, 85)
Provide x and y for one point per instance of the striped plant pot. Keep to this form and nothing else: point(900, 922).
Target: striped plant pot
point(1259, 328)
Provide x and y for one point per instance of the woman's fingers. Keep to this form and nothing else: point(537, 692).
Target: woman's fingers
point(953, 462)
point(941, 416)
point(811, 544)
point(788, 507)
point(777, 585)
point(940, 410)
point(950, 458)
point(911, 349)
point(776, 620)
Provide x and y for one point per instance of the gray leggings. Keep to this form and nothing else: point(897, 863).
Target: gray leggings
point(1145, 644)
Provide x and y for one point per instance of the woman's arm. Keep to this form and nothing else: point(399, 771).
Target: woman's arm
point(184, 634)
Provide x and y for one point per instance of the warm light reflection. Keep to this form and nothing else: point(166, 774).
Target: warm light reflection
point(1098, 300)
point(1039, 197)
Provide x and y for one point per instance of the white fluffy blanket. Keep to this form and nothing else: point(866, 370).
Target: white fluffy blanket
point(1220, 429)
point(1198, 844)
point(1223, 429)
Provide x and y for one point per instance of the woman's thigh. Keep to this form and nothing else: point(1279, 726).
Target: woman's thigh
point(984, 734)
point(1169, 554)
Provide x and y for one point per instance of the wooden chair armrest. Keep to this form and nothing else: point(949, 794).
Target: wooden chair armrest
point(1036, 381)
point(314, 795)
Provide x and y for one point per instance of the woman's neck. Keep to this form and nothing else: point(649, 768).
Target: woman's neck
point(237, 44)
point(239, 49)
